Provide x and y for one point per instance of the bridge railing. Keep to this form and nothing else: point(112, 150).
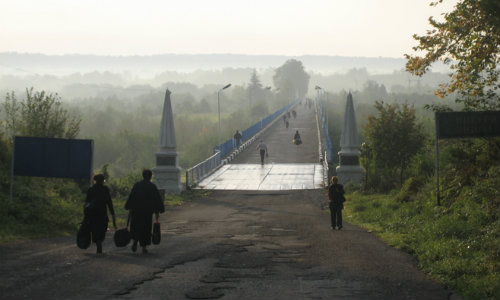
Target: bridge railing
point(200, 171)
point(325, 132)
point(326, 171)
point(197, 173)
point(229, 145)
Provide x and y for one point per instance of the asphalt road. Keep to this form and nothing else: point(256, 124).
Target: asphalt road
point(225, 245)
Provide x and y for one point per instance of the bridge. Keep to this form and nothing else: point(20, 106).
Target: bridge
point(288, 166)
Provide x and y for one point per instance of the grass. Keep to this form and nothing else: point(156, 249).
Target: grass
point(456, 245)
point(62, 216)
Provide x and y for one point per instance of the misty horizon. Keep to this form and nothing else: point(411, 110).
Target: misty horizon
point(17, 63)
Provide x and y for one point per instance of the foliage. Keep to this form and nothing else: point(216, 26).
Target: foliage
point(40, 207)
point(456, 244)
point(291, 78)
point(469, 40)
point(39, 115)
point(463, 162)
point(394, 137)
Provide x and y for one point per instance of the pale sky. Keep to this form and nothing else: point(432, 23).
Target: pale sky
point(125, 27)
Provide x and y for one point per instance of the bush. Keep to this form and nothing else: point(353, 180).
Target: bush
point(456, 244)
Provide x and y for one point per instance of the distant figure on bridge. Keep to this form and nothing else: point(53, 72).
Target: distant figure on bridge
point(98, 197)
point(336, 201)
point(237, 137)
point(294, 113)
point(296, 138)
point(143, 201)
point(284, 118)
point(286, 124)
point(263, 151)
point(288, 114)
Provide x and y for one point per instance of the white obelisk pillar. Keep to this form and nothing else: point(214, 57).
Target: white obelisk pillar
point(349, 169)
point(167, 174)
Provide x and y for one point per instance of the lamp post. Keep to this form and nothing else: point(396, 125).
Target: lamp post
point(317, 88)
point(218, 106)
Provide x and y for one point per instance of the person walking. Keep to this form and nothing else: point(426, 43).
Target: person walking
point(263, 151)
point(296, 138)
point(143, 201)
point(98, 197)
point(237, 136)
point(336, 202)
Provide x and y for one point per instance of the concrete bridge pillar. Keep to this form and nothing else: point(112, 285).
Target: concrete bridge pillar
point(167, 173)
point(349, 169)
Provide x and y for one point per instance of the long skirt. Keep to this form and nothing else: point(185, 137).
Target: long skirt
point(98, 227)
point(141, 226)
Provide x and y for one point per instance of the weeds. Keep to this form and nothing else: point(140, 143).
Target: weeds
point(456, 244)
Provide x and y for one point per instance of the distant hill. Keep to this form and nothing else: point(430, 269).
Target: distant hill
point(26, 63)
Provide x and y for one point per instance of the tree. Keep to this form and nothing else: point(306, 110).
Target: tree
point(39, 115)
point(469, 41)
point(255, 82)
point(394, 136)
point(291, 78)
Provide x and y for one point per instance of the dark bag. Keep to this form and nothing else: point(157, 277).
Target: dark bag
point(156, 238)
point(83, 238)
point(122, 236)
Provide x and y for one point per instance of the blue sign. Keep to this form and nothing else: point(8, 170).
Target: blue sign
point(50, 157)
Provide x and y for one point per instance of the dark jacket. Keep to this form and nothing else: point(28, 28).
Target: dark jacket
point(98, 197)
point(143, 201)
point(336, 196)
point(145, 197)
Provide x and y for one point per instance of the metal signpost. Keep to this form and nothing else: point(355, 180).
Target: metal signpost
point(464, 125)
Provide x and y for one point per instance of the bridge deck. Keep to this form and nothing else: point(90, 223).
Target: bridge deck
point(270, 177)
point(288, 166)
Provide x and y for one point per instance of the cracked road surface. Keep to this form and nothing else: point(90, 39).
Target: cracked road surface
point(227, 245)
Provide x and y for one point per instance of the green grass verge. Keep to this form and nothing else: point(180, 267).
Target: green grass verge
point(61, 216)
point(457, 245)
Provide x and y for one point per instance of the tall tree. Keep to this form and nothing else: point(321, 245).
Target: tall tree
point(255, 83)
point(39, 115)
point(469, 41)
point(394, 136)
point(291, 78)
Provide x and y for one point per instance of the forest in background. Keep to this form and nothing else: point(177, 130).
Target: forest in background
point(122, 111)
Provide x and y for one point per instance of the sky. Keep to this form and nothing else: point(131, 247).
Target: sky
point(370, 28)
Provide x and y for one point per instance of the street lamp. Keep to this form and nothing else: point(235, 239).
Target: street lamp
point(317, 88)
point(218, 106)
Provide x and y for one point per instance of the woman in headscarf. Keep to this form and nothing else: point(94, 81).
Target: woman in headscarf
point(143, 201)
point(98, 198)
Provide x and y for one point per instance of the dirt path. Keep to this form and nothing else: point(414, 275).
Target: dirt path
point(228, 245)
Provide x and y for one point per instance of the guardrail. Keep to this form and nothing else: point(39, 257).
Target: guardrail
point(325, 132)
point(326, 167)
point(197, 173)
point(200, 171)
point(226, 147)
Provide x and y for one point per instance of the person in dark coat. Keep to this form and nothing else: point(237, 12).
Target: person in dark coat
point(296, 138)
point(98, 198)
point(143, 201)
point(237, 136)
point(262, 147)
point(336, 202)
